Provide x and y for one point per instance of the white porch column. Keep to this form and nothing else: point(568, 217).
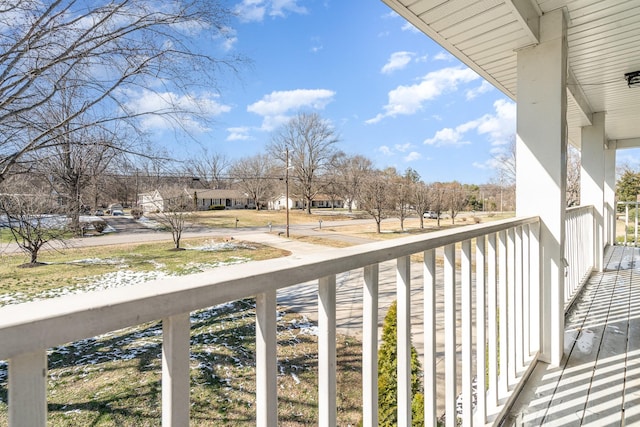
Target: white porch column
point(610, 193)
point(541, 150)
point(592, 180)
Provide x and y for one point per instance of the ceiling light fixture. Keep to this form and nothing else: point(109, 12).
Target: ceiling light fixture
point(633, 78)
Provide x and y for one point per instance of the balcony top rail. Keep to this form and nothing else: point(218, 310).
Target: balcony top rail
point(35, 325)
point(577, 210)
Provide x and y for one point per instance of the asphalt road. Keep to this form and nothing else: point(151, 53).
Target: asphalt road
point(125, 224)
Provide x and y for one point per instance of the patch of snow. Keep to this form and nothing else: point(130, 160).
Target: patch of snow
point(93, 261)
point(312, 331)
point(585, 341)
point(295, 378)
point(149, 223)
point(219, 246)
point(124, 347)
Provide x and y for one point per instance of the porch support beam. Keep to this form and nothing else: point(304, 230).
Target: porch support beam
point(610, 193)
point(541, 153)
point(627, 143)
point(528, 16)
point(592, 180)
point(574, 90)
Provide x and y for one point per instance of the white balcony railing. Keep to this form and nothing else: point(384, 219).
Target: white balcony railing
point(631, 216)
point(489, 276)
point(579, 250)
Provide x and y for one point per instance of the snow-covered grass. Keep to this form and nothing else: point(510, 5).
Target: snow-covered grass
point(150, 223)
point(84, 269)
point(114, 379)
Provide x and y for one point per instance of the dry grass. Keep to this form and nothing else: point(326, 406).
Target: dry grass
point(262, 218)
point(74, 267)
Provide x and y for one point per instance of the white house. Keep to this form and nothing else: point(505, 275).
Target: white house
point(280, 202)
point(319, 201)
point(230, 199)
point(151, 201)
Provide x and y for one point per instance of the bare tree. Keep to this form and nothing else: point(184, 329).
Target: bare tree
point(349, 173)
point(307, 145)
point(32, 229)
point(111, 51)
point(253, 175)
point(421, 200)
point(99, 159)
point(211, 167)
point(505, 177)
point(505, 162)
point(151, 172)
point(176, 213)
point(376, 197)
point(573, 176)
point(75, 157)
point(456, 199)
point(438, 192)
point(404, 192)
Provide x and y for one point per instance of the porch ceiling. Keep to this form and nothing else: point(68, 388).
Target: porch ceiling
point(603, 39)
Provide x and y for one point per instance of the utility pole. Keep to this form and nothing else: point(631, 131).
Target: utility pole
point(286, 184)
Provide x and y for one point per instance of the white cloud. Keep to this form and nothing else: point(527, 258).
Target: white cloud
point(280, 7)
point(406, 100)
point(228, 38)
point(412, 156)
point(276, 106)
point(410, 27)
point(238, 134)
point(385, 150)
point(484, 87)
point(403, 147)
point(397, 61)
point(390, 15)
point(251, 10)
point(165, 110)
point(490, 164)
point(256, 10)
point(499, 127)
point(443, 56)
point(447, 136)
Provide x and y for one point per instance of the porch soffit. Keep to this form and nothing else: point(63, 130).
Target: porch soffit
point(603, 38)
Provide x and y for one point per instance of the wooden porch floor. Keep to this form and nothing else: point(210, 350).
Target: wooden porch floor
point(598, 381)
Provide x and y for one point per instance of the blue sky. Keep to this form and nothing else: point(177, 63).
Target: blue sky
point(391, 93)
